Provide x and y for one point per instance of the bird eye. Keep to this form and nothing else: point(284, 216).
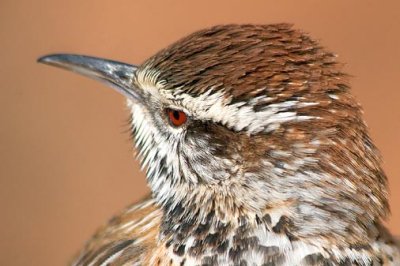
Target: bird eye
point(176, 118)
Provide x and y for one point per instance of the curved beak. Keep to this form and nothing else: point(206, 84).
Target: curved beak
point(115, 74)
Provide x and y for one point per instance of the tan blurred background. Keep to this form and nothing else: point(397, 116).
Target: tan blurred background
point(66, 162)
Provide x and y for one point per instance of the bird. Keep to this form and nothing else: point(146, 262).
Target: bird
point(255, 151)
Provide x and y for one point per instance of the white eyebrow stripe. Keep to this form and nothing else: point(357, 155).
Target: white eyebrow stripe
point(216, 106)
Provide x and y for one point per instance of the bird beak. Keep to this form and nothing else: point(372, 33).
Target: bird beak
point(115, 74)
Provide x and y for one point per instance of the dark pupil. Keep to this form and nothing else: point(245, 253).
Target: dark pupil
point(176, 115)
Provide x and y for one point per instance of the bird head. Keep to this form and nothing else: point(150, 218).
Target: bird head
point(243, 120)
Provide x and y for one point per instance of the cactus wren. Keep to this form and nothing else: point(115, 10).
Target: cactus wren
point(256, 154)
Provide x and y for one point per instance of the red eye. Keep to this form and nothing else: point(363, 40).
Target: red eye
point(177, 118)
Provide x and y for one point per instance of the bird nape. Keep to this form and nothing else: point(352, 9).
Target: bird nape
point(256, 154)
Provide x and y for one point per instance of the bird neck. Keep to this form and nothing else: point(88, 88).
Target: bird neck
point(203, 211)
point(205, 223)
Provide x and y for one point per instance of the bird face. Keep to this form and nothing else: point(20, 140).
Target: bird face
point(244, 118)
point(182, 140)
